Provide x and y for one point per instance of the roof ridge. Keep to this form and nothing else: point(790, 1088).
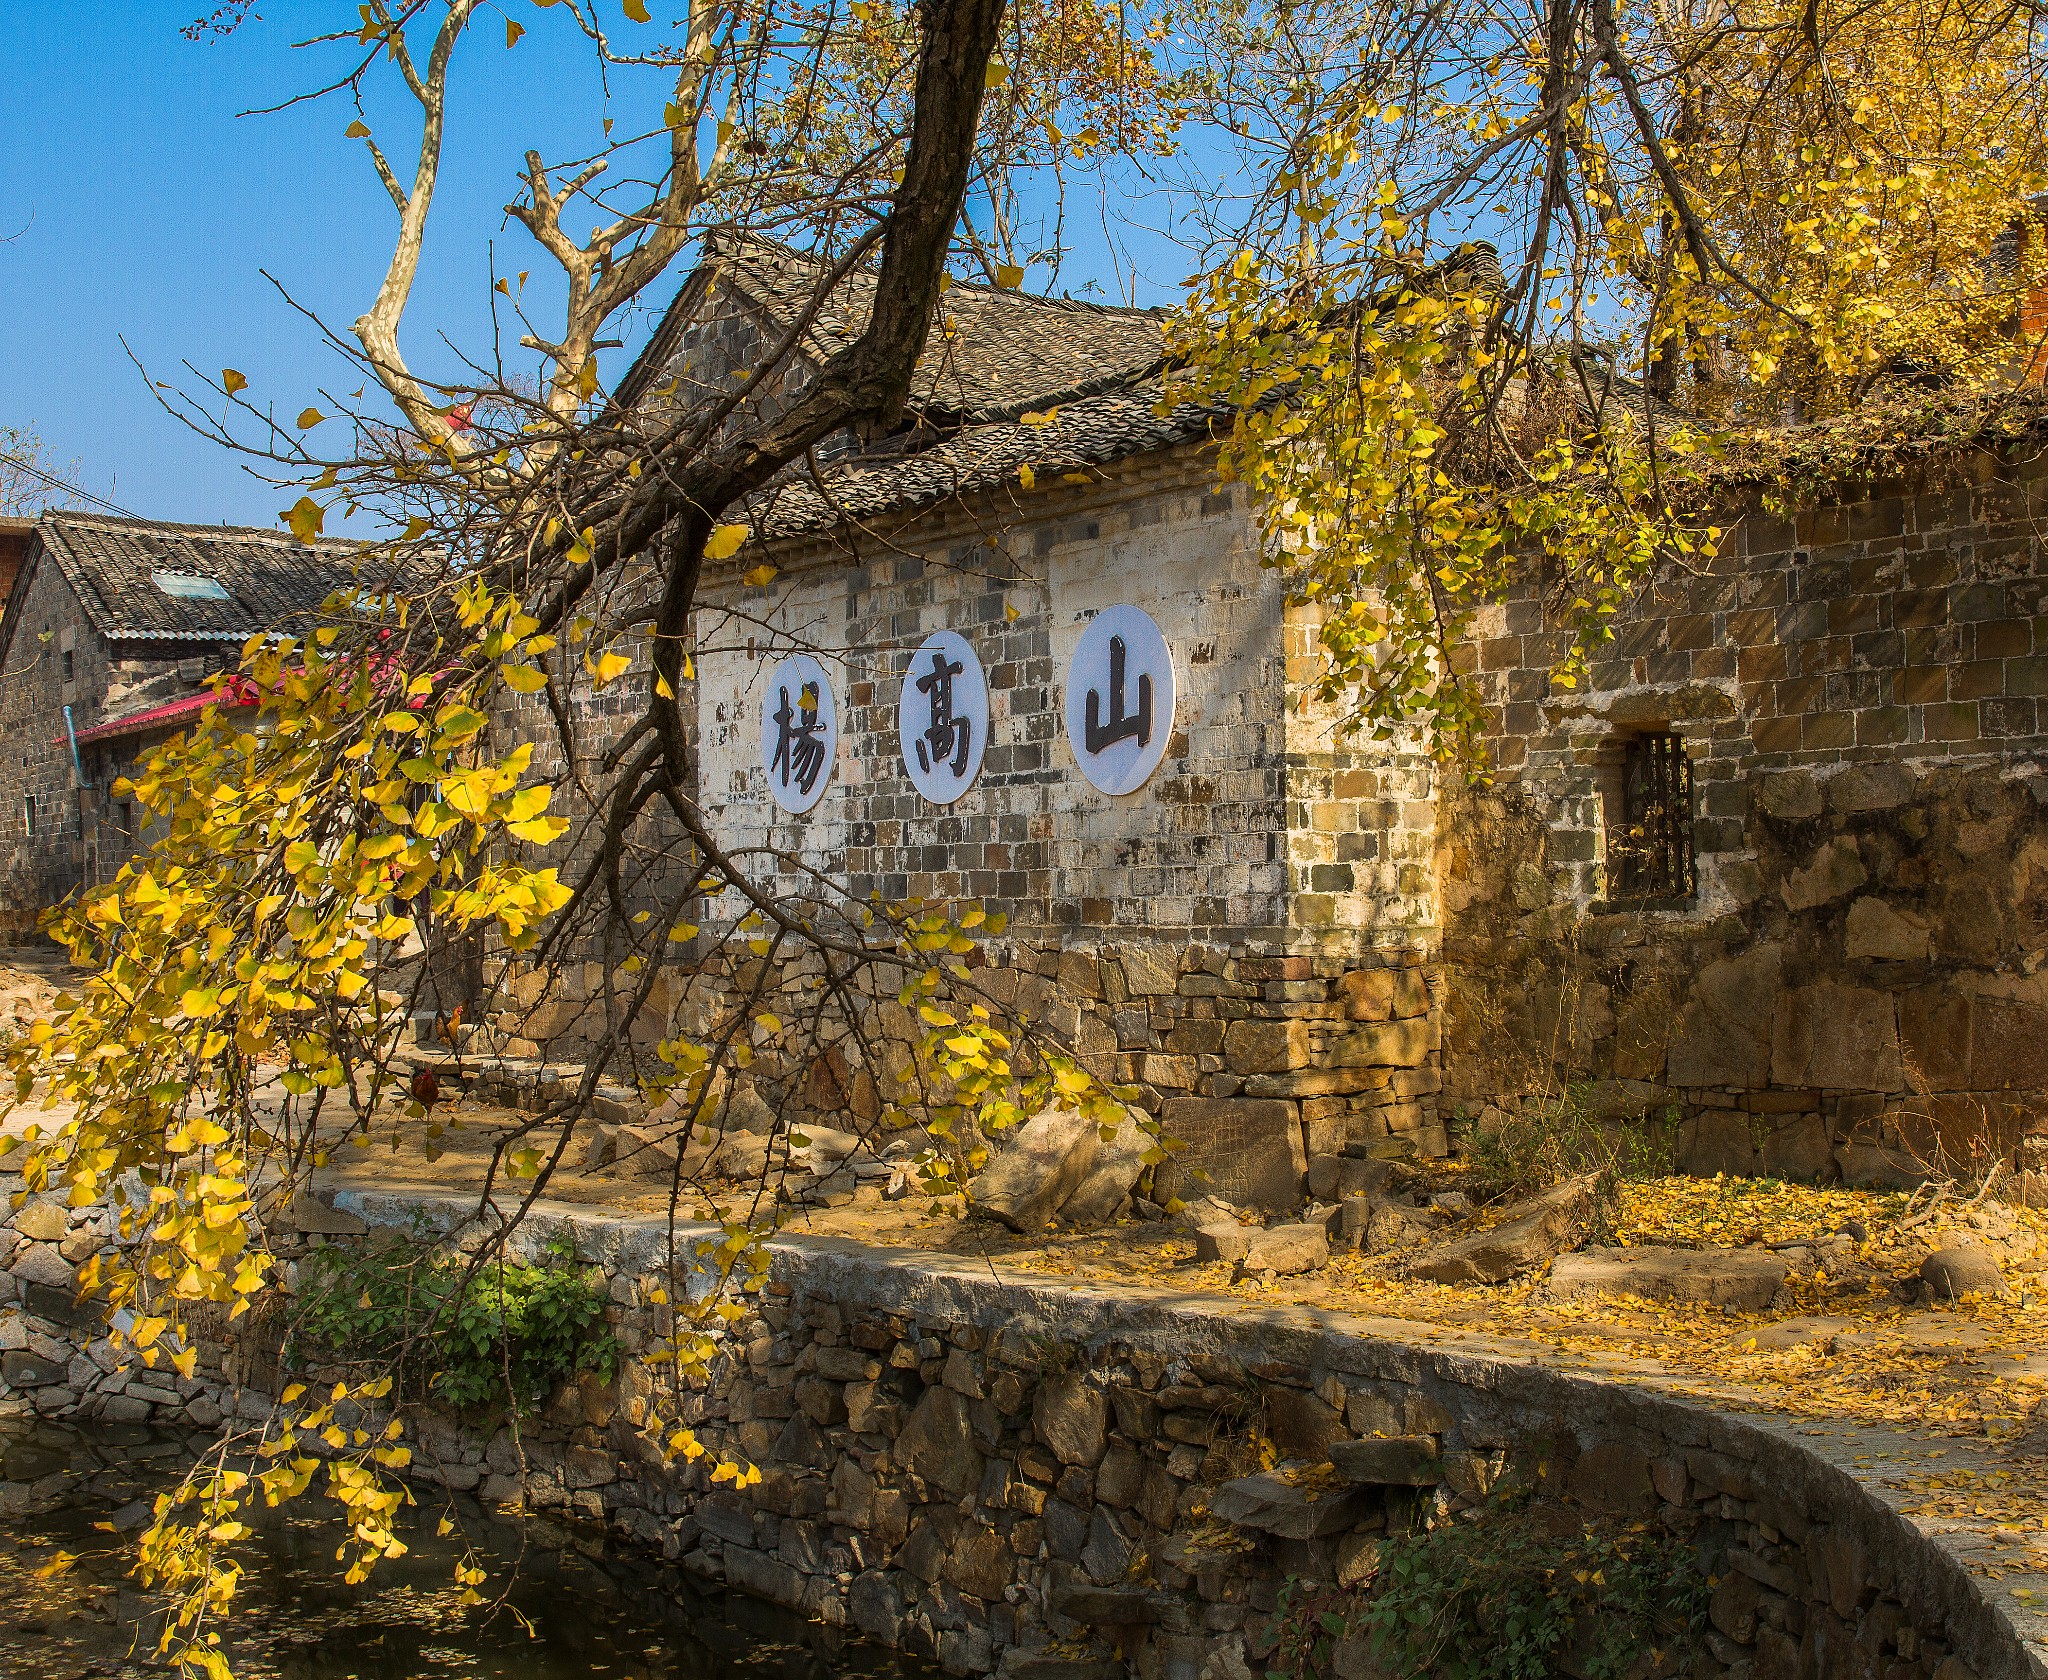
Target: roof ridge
point(736, 254)
point(260, 533)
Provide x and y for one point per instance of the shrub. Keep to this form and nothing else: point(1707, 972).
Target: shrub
point(1532, 1148)
point(502, 1337)
point(1522, 1592)
point(1512, 1591)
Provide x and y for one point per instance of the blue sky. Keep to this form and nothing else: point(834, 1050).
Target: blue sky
point(140, 206)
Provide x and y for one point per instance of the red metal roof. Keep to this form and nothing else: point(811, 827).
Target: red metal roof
point(156, 717)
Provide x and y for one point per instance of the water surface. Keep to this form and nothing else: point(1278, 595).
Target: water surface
point(573, 1604)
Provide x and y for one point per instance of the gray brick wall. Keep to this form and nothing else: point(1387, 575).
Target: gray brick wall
point(38, 869)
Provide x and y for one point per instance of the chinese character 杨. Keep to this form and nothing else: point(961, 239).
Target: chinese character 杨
point(799, 753)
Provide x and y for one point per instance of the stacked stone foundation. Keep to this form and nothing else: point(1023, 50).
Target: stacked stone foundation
point(1868, 1006)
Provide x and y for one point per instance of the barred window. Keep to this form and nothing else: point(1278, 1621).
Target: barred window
point(1650, 856)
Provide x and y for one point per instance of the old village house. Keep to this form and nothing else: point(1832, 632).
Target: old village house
point(1781, 868)
point(113, 632)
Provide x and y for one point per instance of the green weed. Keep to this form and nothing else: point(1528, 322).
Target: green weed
point(503, 1338)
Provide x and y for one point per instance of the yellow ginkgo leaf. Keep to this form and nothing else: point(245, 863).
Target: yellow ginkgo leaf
point(310, 417)
point(231, 381)
point(305, 517)
point(637, 11)
point(611, 667)
point(761, 576)
point(724, 542)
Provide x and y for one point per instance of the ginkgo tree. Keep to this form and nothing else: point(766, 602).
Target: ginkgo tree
point(1506, 278)
point(317, 870)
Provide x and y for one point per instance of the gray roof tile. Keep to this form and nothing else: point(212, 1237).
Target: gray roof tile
point(1091, 432)
point(991, 351)
point(271, 579)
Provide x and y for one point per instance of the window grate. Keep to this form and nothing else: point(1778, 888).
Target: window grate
point(1652, 856)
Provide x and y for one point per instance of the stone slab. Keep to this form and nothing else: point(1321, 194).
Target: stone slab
point(1735, 1279)
point(1536, 1230)
point(1249, 1147)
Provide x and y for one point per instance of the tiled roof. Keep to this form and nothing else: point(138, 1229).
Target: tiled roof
point(270, 578)
point(991, 353)
point(994, 357)
point(1091, 432)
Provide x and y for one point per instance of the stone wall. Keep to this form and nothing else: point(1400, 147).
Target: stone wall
point(1857, 689)
point(1205, 938)
point(1242, 938)
point(973, 1468)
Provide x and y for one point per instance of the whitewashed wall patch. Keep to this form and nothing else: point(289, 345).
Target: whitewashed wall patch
point(799, 732)
point(942, 717)
point(1120, 698)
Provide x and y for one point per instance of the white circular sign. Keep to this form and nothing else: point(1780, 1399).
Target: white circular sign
point(799, 732)
point(1120, 699)
point(942, 717)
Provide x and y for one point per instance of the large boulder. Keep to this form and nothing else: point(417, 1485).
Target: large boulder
point(1045, 1163)
point(1117, 1167)
point(1535, 1230)
point(1393, 1224)
point(1963, 1269)
point(644, 1151)
point(1225, 1240)
point(742, 1158)
point(1734, 1279)
point(827, 1146)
